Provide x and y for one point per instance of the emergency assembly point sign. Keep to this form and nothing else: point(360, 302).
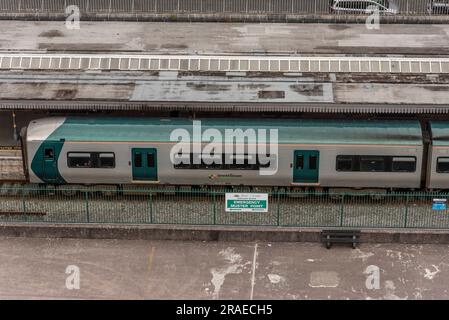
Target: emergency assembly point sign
point(246, 202)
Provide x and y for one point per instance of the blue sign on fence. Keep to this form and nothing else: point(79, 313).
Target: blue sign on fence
point(439, 204)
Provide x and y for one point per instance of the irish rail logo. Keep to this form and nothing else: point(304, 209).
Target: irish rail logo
point(225, 149)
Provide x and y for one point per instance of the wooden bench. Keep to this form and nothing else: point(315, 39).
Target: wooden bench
point(329, 237)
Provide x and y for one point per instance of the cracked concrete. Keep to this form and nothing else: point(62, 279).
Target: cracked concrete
point(113, 269)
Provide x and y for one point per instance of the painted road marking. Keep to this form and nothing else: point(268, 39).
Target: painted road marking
point(253, 277)
point(150, 259)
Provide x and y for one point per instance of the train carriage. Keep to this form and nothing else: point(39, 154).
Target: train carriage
point(438, 156)
point(311, 153)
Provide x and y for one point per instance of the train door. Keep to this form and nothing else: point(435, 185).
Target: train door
point(144, 162)
point(306, 166)
point(50, 161)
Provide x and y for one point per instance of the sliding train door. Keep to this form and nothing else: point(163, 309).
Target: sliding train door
point(144, 163)
point(306, 166)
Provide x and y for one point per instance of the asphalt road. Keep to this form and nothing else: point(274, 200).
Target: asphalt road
point(120, 269)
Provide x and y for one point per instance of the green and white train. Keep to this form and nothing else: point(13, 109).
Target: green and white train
point(311, 154)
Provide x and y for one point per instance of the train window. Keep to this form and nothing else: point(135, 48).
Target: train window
point(372, 163)
point(404, 164)
point(106, 160)
point(138, 160)
point(228, 162)
point(211, 161)
point(299, 162)
point(344, 163)
point(312, 162)
point(49, 154)
point(443, 165)
point(79, 160)
point(150, 160)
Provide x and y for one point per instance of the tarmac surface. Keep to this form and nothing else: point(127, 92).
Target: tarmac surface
point(124, 269)
point(224, 38)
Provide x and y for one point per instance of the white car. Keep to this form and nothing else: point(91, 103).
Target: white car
point(364, 6)
point(438, 7)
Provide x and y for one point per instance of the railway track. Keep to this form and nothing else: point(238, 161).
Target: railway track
point(11, 167)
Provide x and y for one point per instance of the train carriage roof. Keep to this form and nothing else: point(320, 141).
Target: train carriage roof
point(440, 133)
point(290, 131)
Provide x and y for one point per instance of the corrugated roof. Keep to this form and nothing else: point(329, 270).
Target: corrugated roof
point(226, 107)
point(289, 131)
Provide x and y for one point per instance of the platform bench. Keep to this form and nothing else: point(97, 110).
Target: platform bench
point(328, 237)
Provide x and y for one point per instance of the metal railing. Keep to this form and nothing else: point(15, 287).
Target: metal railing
point(299, 7)
point(181, 206)
point(222, 63)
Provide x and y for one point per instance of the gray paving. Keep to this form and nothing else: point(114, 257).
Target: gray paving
point(209, 38)
point(112, 269)
point(215, 89)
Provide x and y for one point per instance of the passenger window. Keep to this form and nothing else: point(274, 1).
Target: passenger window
point(312, 162)
point(372, 164)
point(404, 164)
point(150, 160)
point(79, 160)
point(443, 165)
point(49, 154)
point(106, 160)
point(344, 163)
point(138, 160)
point(300, 162)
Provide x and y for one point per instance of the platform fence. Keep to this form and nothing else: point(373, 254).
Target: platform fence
point(198, 207)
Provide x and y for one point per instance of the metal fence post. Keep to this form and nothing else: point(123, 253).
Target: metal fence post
point(278, 208)
point(214, 207)
point(342, 209)
point(86, 194)
point(24, 209)
point(150, 202)
point(406, 211)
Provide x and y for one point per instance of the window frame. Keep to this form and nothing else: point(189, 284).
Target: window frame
point(437, 163)
point(99, 160)
point(350, 158)
point(48, 158)
point(381, 159)
point(388, 163)
point(247, 166)
point(405, 157)
point(94, 157)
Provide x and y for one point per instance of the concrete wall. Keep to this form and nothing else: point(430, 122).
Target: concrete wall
point(198, 233)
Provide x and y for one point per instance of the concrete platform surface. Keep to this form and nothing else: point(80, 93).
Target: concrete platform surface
point(238, 38)
point(216, 89)
point(112, 269)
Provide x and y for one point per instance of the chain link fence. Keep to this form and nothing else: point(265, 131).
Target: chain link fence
point(178, 206)
point(269, 7)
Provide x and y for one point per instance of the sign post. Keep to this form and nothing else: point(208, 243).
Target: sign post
point(246, 202)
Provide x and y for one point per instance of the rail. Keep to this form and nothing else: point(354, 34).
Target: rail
point(222, 63)
point(181, 206)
